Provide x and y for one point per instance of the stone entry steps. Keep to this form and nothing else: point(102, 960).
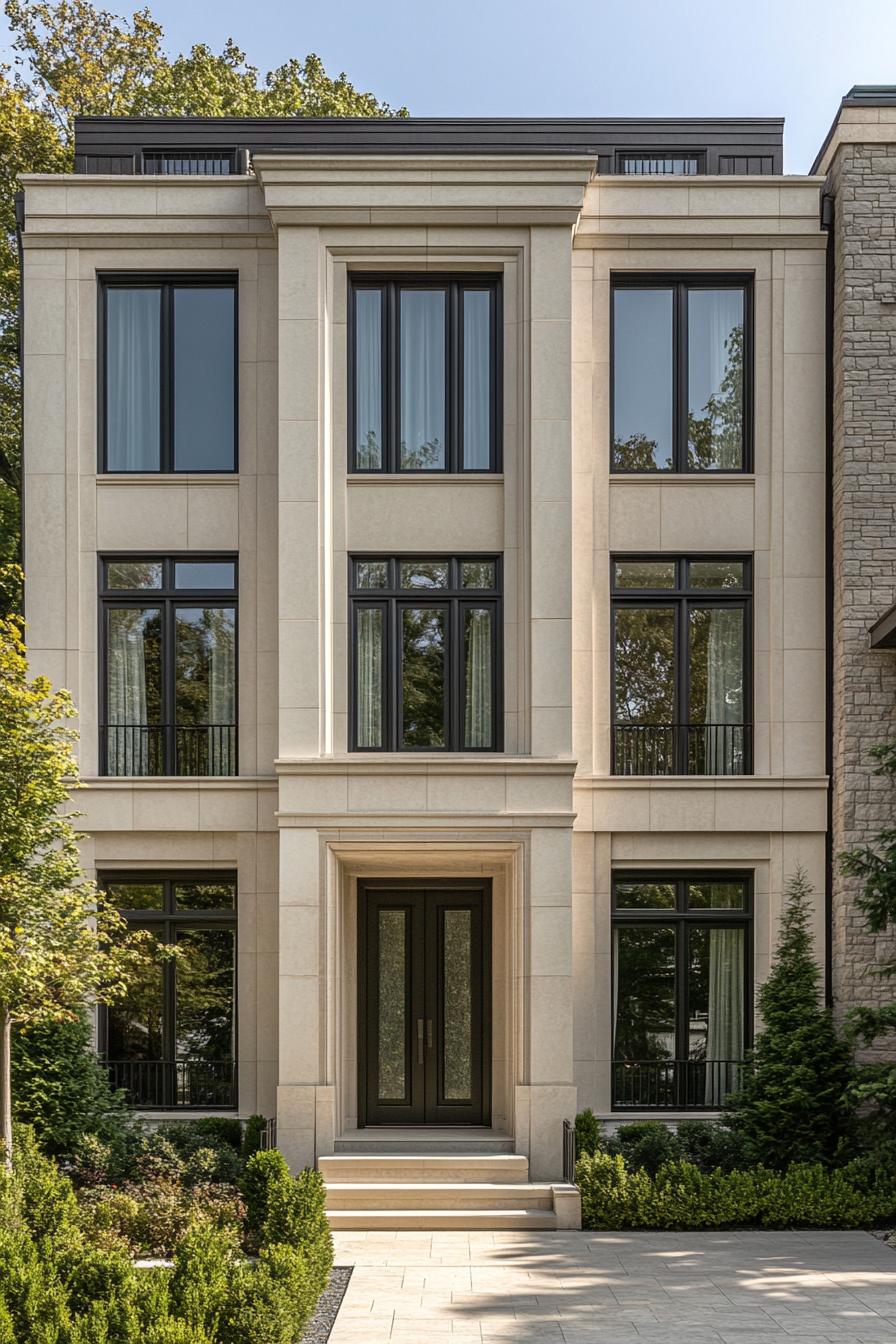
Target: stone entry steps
point(486, 1191)
point(425, 1139)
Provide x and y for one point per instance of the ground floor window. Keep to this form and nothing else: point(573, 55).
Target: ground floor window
point(172, 1042)
point(682, 988)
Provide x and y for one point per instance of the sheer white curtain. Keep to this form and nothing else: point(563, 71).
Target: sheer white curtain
point(725, 1028)
point(724, 689)
point(368, 379)
point(127, 748)
point(477, 378)
point(369, 655)
point(221, 691)
point(422, 379)
point(715, 353)
point(132, 379)
point(478, 696)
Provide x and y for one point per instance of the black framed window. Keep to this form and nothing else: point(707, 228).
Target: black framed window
point(168, 373)
point(640, 163)
point(682, 988)
point(188, 162)
point(426, 653)
point(169, 665)
point(681, 355)
point(681, 672)
point(172, 1041)
point(424, 373)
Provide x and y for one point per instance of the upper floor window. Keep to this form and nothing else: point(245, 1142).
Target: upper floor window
point(172, 1040)
point(169, 373)
point(426, 666)
point(188, 162)
point(424, 374)
point(681, 632)
point(681, 988)
point(681, 373)
point(169, 665)
point(660, 165)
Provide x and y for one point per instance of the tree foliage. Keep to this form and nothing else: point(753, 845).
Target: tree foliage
point(793, 1105)
point(61, 942)
point(71, 59)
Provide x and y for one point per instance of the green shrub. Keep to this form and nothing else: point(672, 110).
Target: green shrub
point(203, 1268)
point(297, 1217)
point(709, 1144)
point(44, 1197)
point(587, 1132)
point(274, 1301)
point(616, 1196)
point(265, 1172)
point(645, 1144)
point(254, 1128)
point(61, 1089)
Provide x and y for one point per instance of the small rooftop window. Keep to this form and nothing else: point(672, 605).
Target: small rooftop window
point(179, 163)
point(660, 165)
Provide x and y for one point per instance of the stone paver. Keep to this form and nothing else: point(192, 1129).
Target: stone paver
point(616, 1288)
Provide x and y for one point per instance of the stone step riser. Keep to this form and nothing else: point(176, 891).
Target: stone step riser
point(436, 1147)
point(453, 1197)
point(382, 1169)
point(434, 1220)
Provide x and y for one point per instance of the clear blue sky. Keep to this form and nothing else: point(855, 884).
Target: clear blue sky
point(573, 57)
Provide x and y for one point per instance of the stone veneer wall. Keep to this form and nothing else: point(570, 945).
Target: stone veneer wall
point(863, 181)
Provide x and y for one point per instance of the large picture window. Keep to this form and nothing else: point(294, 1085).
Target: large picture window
point(169, 374)
point(172, 1041)
point(681, 989)
point(169, 684)
point(426, 653)
point(681, 665)
point(681, 373)
point(424, 382)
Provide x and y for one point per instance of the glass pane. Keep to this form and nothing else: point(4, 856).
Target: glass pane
point(457, 1005)
point(645, 895)
point(477, 379)
point(644, 683)
point(424, 574)
point(422, 380)
point(204, 895)
point(205, 690)
point(477, 574)
point(204, 339)
point(205, 574)
point(371, 574)
point(134, 1029)
point(716, 895)
point(644, 993)
point(715, 379)
point(135, 895)
point(369, 665)
point(715, 1011)
point(204, 976)
point(644, 574)
point(392, 1020)
point(716, 574)
point(641, 166)
point(642, 379)
point(130, 574)
point(134, 740)
point(478, 717)
point(133, 386)
point(423, 676)
point(716, 690)
point(368, 379)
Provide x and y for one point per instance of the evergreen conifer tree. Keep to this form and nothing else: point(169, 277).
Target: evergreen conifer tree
point(793, 1106)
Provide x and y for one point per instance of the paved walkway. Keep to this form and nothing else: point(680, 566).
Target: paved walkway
point(604, 1287)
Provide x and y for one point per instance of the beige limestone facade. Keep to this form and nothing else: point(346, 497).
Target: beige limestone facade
point(545, 819)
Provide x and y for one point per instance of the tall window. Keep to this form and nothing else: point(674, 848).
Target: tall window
point(681, 361)
point(681, 988)
point(172, 1040)
point(169, 665)
point(424, 374)
point(681, 693)
point(426, 646)
point(169, 374)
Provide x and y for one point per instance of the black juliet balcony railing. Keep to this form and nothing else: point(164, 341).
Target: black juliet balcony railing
point(674, 1084)
point(682, 748)
point(169, 1084)
point(169, 749)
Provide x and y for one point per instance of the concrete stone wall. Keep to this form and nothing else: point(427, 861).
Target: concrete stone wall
point(863, 181)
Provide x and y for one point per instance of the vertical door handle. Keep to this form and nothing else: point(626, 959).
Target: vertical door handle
point(419, 1040)
point(429, 1032)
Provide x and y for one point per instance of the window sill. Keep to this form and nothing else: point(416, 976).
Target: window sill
point(682, 477)
point(107, 478)
point(425, 478)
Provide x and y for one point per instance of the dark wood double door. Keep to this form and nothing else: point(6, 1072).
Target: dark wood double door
point(424, 1005)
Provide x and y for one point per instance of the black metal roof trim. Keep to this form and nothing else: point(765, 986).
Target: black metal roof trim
point(125, 139)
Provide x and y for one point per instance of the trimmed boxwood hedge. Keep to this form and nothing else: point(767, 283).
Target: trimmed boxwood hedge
point(616, 1196)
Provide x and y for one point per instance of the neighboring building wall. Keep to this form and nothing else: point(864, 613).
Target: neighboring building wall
point(861, 180)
